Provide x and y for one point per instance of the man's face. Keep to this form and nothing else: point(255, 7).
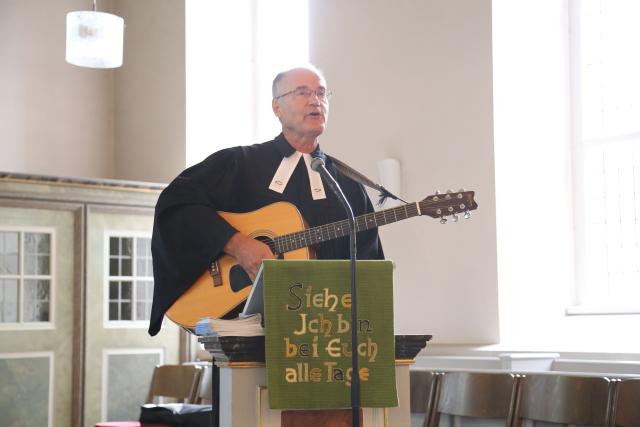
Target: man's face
point(302, 111)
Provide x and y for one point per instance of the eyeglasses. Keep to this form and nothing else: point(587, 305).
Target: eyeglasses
point(304, 92)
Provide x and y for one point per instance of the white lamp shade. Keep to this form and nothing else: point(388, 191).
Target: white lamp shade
point(94, 39)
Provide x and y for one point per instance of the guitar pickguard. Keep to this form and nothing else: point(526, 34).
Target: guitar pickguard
point(238, 278)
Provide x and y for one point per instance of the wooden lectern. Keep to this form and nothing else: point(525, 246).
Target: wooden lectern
point(243, 397)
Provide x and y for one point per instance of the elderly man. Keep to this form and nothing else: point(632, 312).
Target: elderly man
point(189, 234)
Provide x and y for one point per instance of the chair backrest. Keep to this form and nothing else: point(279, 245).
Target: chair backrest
point(205, 388)
point(565, 399)
point(627, 408)
point(175, 381)
point(476, 395)
point(420, 384)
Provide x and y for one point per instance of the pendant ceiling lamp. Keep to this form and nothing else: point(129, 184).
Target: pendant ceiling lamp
point(94, 39)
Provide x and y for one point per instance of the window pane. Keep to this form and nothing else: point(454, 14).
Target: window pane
point(36, 300)
point(127, 246)
point(141, 310)
point(113, 311)
point(126, 311)
point(29, 243)
point(141, 267)
point(43, 312)
point(141, 290)
point(114, 246)
point(126, 291)
point(8, 300)
point(113, 267)
point(8, 263)
point(126, 267)
point(43, 265)
point(8, 241)
point(114, 290)
point(144, 245)
point(144, 296)
point(8, 252)
point(43, 241)
point(29, 264)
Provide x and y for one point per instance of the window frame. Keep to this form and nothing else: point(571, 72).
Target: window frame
point(111, 324)
point(32, 326)
point(583, 292)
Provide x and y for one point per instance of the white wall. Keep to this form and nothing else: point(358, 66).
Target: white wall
point(413, 80)
point(60, 119)
point(150, 129)
point(55, 118)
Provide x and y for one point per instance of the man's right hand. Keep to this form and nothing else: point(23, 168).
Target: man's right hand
point(248, 252)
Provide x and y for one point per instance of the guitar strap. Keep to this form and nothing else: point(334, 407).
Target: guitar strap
point(358, 177)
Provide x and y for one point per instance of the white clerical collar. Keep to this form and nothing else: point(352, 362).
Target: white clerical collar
point(285, 170)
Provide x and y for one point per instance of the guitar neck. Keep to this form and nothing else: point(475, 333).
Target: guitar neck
point(334, 230)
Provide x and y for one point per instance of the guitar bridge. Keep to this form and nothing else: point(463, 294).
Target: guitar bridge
point(214, 272)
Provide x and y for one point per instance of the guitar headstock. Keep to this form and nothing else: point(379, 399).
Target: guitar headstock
point(448, 204)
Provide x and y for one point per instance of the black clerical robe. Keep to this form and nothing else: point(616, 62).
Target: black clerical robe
point(188, 234)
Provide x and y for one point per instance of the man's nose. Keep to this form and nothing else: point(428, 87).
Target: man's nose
point(314, 99)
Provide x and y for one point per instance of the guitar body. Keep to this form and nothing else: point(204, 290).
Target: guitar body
point(204, 299)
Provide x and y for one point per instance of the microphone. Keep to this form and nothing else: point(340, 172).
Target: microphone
point(317, 164)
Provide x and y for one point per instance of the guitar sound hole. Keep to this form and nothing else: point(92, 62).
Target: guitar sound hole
point(238, 278)
point(269, 242)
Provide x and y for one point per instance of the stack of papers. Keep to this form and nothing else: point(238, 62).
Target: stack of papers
point(243, 326)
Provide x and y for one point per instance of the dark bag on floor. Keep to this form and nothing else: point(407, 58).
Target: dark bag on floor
point(176, 414)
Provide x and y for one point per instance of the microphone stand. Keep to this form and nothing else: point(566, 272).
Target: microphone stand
point(317, 164)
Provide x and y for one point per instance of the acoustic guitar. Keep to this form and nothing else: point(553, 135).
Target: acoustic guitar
point(280, 225)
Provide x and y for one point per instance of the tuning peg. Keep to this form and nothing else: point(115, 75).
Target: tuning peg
point(436, 192)
point(467, 215)
point(449, 191)
point(461, 190)
point(443, 220)
point(454, 218)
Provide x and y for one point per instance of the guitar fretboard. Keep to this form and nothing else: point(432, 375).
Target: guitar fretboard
point(334, 230)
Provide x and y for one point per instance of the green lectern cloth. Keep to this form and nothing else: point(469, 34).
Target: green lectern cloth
point(307, 306)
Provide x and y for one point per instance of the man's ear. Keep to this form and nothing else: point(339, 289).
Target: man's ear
point(275, 106)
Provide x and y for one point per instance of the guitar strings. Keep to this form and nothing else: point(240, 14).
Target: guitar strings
point(300, 239)
point(321, 233)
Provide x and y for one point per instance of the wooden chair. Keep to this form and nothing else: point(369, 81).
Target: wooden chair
point(177, 382)
point(627, 403)
point(565, 399)
point(474, 395)
point(204, 395)
point(422, 385)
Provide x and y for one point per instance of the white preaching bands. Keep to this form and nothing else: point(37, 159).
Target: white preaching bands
point(285, 170)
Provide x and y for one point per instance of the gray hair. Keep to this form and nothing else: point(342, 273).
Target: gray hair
point(282, 74)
